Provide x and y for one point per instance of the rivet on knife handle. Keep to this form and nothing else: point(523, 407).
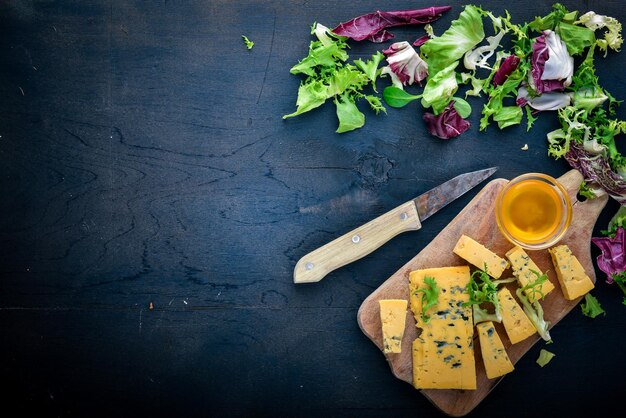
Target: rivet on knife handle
point(356, 244)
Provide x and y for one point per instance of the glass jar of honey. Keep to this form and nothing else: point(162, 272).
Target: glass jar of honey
point(533, 211)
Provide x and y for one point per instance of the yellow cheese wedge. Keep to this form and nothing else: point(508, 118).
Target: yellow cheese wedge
point(478, 255)
point(496, 360)
point(571, 274)
point(523, 268)
point(517, 325)
point(443, 355)
point(392, 318)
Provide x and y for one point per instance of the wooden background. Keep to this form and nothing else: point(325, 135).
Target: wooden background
point(143, 159)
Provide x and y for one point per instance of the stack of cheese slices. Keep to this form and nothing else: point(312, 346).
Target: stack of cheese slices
point(443, 353)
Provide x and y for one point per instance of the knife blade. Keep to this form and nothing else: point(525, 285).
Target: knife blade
point(363, 240)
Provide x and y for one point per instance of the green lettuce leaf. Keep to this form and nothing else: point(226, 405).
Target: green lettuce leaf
point(544, 357)
point(350, 117)
point(370, 67)
point(462, 36)
point(591, 307)
point(576, 38)
point(440, 88)
point(375, 104)
point(311, 94)
point(321, 55)
point(508, 115)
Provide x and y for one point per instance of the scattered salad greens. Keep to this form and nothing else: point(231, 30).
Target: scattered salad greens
point(430, 296)
point(249, 44)
point(544, 357)
point(536, 74)
point(591, 307)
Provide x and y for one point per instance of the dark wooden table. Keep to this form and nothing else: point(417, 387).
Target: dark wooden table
point(144, 161)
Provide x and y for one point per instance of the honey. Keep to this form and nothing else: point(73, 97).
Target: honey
point(531, 210)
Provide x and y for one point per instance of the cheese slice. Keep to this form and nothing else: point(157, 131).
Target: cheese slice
point(496, 360)
point(516, 323)
point(452, 281)
point(444, 360)
point(392, 318)
point(523, 268)
point(443, 354)
point(571, 274)
point(479, 255)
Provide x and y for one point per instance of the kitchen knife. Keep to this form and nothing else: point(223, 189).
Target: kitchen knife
point(361, 241)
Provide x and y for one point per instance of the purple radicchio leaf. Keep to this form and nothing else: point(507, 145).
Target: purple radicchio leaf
point(448, 124)
point(613, 257)
point(405, 63)
point(551, 100)
point(509, 65)
point(421, 40)
point(552, 66)
point(372, 25)
point(596, 169)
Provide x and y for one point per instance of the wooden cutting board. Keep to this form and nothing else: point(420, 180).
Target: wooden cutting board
point(477, 220)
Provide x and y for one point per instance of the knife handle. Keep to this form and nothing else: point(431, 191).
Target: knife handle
point(356, 244)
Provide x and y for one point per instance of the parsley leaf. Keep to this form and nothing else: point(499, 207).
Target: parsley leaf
point(430, 296)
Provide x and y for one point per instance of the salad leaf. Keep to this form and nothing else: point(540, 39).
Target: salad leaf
point(552, 66)
point(447, 124)
point(508, 115)
point(462, 36)
point(349, 116)
point(440, 88)
point(405, 63)
point(328, 76)
point(549, 21)
point(533, 310)
point(430, 296)
point(547, 101)
point(591, 307)
point(612, 260)
point(544, 357)
point(482, 290)
point(462, 107)
point(509, 65)
point(596, 168)
point(618, 220)
point(477, 84)
point(421, 40)
point(311, 94)
point(576, 38)
point(498, 93)
point(585, 191)
point(375, 104)
point(372, 25)
point(370, 67)
point(620, 279)
point(249, 44)
point(613, 36)
point(478, 57)
point(396, 97)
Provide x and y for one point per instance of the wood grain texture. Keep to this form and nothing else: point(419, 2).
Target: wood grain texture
point(146, 161)
point(357, 243)
point(477, 220)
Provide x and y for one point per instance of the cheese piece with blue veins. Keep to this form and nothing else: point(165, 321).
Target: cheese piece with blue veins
point(571, 274)
point(495, 358)
point(443, 354)
point(392, 319)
